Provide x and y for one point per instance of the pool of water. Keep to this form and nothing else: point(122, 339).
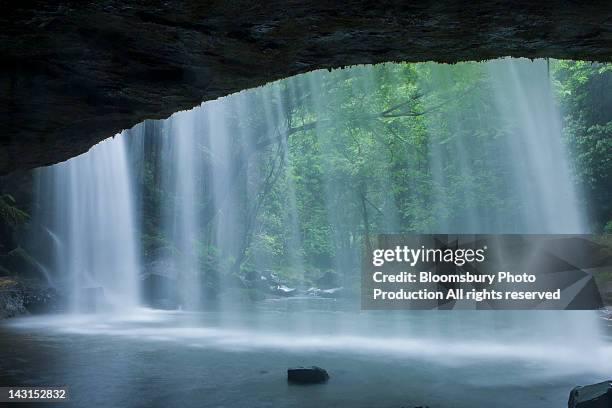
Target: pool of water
point(239, 359)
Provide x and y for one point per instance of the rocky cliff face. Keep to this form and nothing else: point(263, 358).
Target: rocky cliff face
point(19, 296)
point(73, 73)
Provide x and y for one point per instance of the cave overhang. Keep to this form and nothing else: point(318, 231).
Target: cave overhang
point(75, 73)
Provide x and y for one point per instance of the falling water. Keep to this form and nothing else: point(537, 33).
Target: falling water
point(537, 159)
point(218, 164)
point(181, 216)
point(526, 150)
point(86, 207)
point(208, 172)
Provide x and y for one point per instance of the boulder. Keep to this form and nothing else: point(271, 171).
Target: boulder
point(272, 278)
point(252, 276)
point(22, 296)
point(11, 300)
point(591, 396)
point(261, 281)
point(39, 298)
point(313, 291)
point(269, 282)
point(307, 375)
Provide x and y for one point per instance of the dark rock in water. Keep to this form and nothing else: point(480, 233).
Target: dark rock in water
point(264, 281)
point(92, 299)
point(11, 299)
point(252, 276)
point(272, 278)
point(329, 280)
point(591, 396)
point(261, 283)
point(313, 291)
point(307, 375)
point(22, 296)
point(42, 299)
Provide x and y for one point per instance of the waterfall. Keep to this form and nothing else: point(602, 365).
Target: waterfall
point(207, 176)
point(214, 168)
point(86, 205)
point(181, 215)
point(225, 242)
point(527, 151)
point(537, 160)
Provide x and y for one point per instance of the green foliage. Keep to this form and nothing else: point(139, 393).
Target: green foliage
point(12, 221)
point(584, 91)
point(372, 149)
point(9, 213)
